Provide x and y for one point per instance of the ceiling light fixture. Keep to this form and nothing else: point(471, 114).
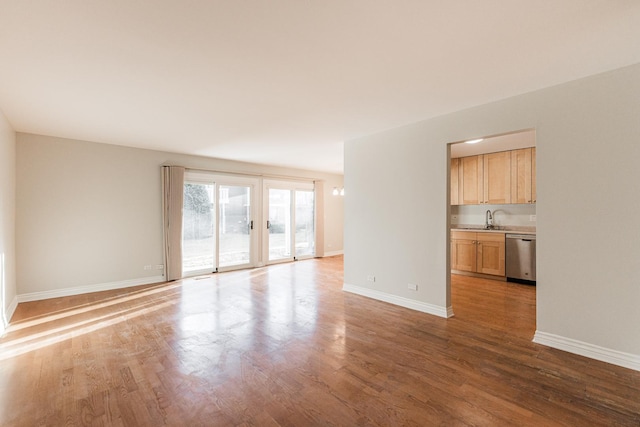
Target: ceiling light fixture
point(473, 141)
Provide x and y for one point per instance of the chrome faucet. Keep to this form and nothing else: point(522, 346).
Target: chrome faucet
point(488, 220)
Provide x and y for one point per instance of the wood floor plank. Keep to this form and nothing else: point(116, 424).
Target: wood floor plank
point(285, 346)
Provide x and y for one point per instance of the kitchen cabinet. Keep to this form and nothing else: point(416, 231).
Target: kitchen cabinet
point(478, 252)
point(491, 254)
point(463, 250)
point(453, 174)
point(523, 176)
point(533, 175)
point(471, 180)
point(500, 178)
point(497, 178)
point(485, 179)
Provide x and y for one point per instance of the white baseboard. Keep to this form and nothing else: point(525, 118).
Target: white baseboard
point(401, 301)
point(615, 357)
point(36, 296)
point(8, 313)
point(333, 253)
point(11, 309)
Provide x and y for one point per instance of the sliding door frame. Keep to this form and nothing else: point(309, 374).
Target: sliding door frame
point(293, 187)
point(252, 220)
point(218, 180)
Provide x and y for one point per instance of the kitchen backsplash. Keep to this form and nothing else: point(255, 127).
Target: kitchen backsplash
point(503, 215)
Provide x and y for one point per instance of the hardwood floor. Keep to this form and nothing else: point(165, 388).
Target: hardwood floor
point(284, 345)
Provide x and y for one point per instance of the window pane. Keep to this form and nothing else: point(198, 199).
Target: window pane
point(198, 239)
point(235, 217)
point(305, 227)
point(279, 224)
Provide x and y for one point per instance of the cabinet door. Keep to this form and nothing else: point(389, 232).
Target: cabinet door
point(497, 178)
point(491, 254)
point(453, 174)
point(521, 176)
point(463, 251)
point(471, 181)
point(533, 175)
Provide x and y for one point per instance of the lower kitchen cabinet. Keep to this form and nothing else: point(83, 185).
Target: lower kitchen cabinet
point(463, 250)
point(491, 254)
point(478, 252)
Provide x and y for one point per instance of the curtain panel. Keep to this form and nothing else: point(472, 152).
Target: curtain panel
point(172, 202)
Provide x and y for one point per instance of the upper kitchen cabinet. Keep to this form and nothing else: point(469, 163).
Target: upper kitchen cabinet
point(523, 176)
point(497, 178)
point(494, 178)
point(471, 180)
point(454, 173)
point(484, 179)
point(534, 197)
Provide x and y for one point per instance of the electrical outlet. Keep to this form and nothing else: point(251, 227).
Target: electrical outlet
point(412, 286)
point(532, 218)
point(147, 267)
point(159, 267)
point(371, 278)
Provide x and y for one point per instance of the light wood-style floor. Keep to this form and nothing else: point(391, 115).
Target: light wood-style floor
point(284, 345)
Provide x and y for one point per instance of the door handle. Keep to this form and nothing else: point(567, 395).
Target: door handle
point(251, 225)
point(268, 225)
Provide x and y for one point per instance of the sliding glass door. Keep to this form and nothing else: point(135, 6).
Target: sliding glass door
point(290, 227)
point(235, 226)
point(224, 228)
point(198, 228)
point(279, 225)
point(217, 227)
point(305, 237)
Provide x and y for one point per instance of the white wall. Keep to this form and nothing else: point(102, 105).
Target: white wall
point(7, 220)
point(89, 214)
point(333, 214)
point(588, 155)
point(394, 214)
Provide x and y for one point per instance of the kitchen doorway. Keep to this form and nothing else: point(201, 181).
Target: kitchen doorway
point(492, 189)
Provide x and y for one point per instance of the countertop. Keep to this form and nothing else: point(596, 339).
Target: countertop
point(498, 229)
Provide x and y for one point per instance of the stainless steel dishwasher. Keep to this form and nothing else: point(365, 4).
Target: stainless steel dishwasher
point(521, 258)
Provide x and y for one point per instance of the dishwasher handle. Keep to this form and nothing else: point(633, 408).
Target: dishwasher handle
point(525, 237)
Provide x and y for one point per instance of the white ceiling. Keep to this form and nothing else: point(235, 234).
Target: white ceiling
point(287, 81)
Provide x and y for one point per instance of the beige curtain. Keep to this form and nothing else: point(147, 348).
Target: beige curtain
point(172, 201)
